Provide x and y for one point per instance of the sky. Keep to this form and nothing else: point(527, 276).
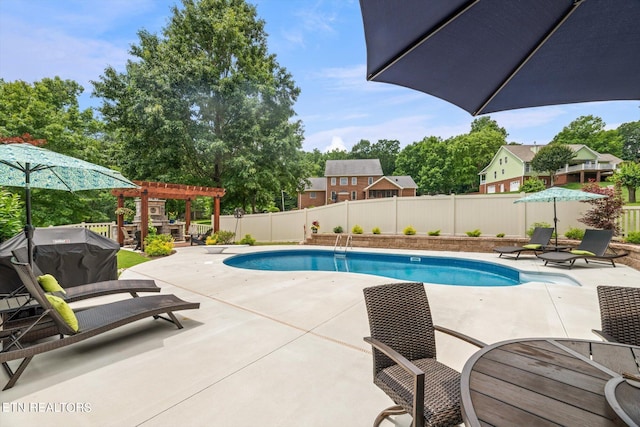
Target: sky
point(320, 42)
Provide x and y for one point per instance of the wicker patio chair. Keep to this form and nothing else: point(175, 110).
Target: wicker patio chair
point(91, 322)
point(619, 314)
point(404, 356)
point(539, 238)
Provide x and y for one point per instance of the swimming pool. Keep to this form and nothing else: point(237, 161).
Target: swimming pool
point(418, 268)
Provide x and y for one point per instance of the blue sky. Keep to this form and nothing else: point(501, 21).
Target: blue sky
point(320, 42)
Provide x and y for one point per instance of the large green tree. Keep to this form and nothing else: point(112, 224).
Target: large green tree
point(628, 175)
point(552, 157)
point(206, 103)
point(48, 109)
point(590, 131)
point(630, 135)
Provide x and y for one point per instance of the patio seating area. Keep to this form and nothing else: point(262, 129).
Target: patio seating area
point(284, 348)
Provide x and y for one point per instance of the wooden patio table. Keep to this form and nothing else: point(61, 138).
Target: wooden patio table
point(551, 381)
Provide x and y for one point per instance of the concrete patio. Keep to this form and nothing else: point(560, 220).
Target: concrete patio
point(276, 348)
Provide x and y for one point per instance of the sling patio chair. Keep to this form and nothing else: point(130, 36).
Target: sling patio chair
point(619, 314)
point(539, 238)
point(404, 356)
point(79, 325)
point(593, 247)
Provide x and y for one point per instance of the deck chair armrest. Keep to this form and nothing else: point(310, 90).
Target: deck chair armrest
point(460, 335)
point(604, 336)
point(404, 363)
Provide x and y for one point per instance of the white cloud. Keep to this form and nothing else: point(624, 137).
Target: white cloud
point(336, 144)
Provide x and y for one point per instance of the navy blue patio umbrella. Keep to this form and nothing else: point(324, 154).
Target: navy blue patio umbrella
point(494, 55)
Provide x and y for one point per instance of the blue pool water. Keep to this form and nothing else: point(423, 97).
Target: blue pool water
point(418, 268)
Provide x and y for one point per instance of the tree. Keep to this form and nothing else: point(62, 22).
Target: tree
point(630, 135)
point(48, 111)
point(628, 175)
point(10, 214)
point(425, 162)
point(550, 158)
point(590, 131)
point(606, 211)
point(484, 123)
point(205, 103)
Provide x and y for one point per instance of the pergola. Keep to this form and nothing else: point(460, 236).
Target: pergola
point(162, 190)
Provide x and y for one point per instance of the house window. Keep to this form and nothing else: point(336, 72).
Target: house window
point(333, 181)
point(495, 175)
point(370, 180)
point(353, 195)
point(354, 180)
point(505, 160)
point(334, 196)
point(500, 161)
point(312, 195)
point(502, 171)
point(344, 180)
point(527, 167)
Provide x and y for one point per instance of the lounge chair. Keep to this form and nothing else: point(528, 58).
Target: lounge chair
point(90, 321)
point(97, 289)
point(619, 314)
point(539, 238)
point(200, 239)
point(593, 247)
point(404, 356)
point(129, 239)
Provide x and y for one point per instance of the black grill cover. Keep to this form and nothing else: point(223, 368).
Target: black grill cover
point(74, 256)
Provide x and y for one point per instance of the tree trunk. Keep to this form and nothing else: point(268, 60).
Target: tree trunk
point(632, 193)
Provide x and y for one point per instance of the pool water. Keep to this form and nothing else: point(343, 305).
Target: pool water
point(417, 268)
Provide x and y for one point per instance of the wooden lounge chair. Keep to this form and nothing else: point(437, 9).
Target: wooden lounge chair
point(593, 247)
point(539, 238)
point(129, 239)
point(91, 322)
point(404, 356)
point(619, 314)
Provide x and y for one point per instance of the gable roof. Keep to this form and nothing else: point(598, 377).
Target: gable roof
point(358, 167)
point(402, 181)
point(525, 153)
point(316, 184)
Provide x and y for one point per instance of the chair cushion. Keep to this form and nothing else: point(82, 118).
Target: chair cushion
point(581, 252)
point(441, 390)
point(64, 310)
point(532, 246)
point(50, 284)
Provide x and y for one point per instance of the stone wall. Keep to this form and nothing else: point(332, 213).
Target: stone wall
point(456, 244)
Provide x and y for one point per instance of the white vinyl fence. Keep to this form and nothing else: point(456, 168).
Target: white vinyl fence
point(453, 215)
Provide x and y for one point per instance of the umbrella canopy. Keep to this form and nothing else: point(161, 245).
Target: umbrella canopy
point(28, 166)
point(559, 194)
point(494, 55)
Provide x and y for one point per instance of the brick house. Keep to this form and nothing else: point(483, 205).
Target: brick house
point(354, 180)
point(511, 166)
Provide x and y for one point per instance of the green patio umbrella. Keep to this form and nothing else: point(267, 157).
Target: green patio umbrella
point(559, 194)
point(28, 166)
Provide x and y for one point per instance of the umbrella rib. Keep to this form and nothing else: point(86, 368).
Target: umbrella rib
point(423, 38)
point(547, 36)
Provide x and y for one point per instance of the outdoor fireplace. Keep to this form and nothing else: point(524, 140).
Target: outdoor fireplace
point(159, 219)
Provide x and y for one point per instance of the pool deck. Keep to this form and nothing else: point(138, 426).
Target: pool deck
point(276, 348)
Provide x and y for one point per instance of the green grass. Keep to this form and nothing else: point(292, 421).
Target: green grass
point(128, 259)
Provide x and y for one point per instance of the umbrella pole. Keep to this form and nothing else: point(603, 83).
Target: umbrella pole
point(28, 228)
point(555, 220)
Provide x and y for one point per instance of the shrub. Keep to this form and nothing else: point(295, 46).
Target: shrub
point(434, 233)
point(633, 237)
point(500, 235)
point(574, 233)
point(10, 214)
point(376, 230)
point(337, 229)
point(538, 224)
point(533, 185)
point(158, 245)
point(357, 229)
point(248, 240)
point(224, 237)
point(409, 231)
point(474, 233)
